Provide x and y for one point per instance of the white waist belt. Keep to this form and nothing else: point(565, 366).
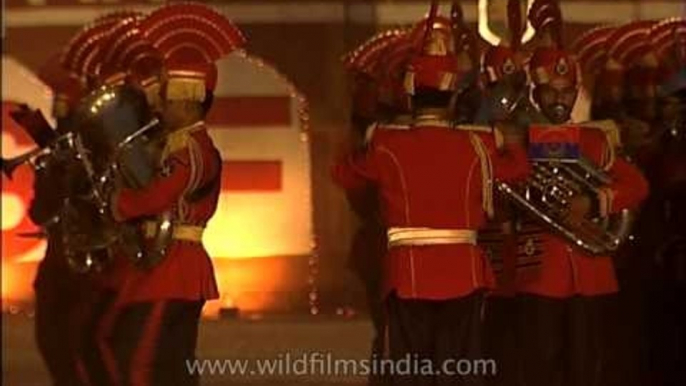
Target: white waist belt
point(429, 236)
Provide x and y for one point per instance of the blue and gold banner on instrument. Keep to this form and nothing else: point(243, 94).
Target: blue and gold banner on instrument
point(554, 143)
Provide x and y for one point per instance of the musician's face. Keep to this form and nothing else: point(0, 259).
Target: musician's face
point(556, 100)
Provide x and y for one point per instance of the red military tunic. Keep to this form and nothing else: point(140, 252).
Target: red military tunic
point(186, 272)
point(434, 176)
point(567, 271)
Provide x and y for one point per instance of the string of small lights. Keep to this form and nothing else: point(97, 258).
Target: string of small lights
point(303, 111)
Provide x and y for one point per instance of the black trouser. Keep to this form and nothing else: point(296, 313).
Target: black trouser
point(443, 332)
point(57, 300)
point(89, 351)
point(499, 339)
point(561, 341)
point(377, 313)
point(366, 256)
point(667, 330)
point(154, 343)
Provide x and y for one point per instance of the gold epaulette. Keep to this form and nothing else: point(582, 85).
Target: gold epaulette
point(178, 139)
point(371, 129)
point(486, 173)
point(432, 122)
point(394, 126)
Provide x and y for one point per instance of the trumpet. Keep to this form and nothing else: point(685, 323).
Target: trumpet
point(37, 157)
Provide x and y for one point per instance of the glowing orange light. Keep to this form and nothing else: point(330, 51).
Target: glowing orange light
point(13, 210)
point(17, 282)
point(7, 281)
point(228, 302)
point(256, 225)
point(258, 284)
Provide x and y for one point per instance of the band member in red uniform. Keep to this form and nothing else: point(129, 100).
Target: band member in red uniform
point(664, 241)
point(65, 292)
point(124, 62)
point(434, 187)
point(369, 242)
point(59, 289)
point(511, 241)
point(156, 329)
point(605, 54)
point(560, 313)
point(84, 55)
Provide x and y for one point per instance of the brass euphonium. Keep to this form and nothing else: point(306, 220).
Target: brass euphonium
point(110, 146)
point(547, 194)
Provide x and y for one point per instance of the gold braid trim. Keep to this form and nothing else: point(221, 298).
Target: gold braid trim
point(196, 173)
point(178, 140)
point(479, 128)
point(486, 173)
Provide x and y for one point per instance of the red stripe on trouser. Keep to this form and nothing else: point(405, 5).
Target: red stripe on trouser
point(103, 334)
point(143, 357)
point(77, 319)
point(81, 372)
